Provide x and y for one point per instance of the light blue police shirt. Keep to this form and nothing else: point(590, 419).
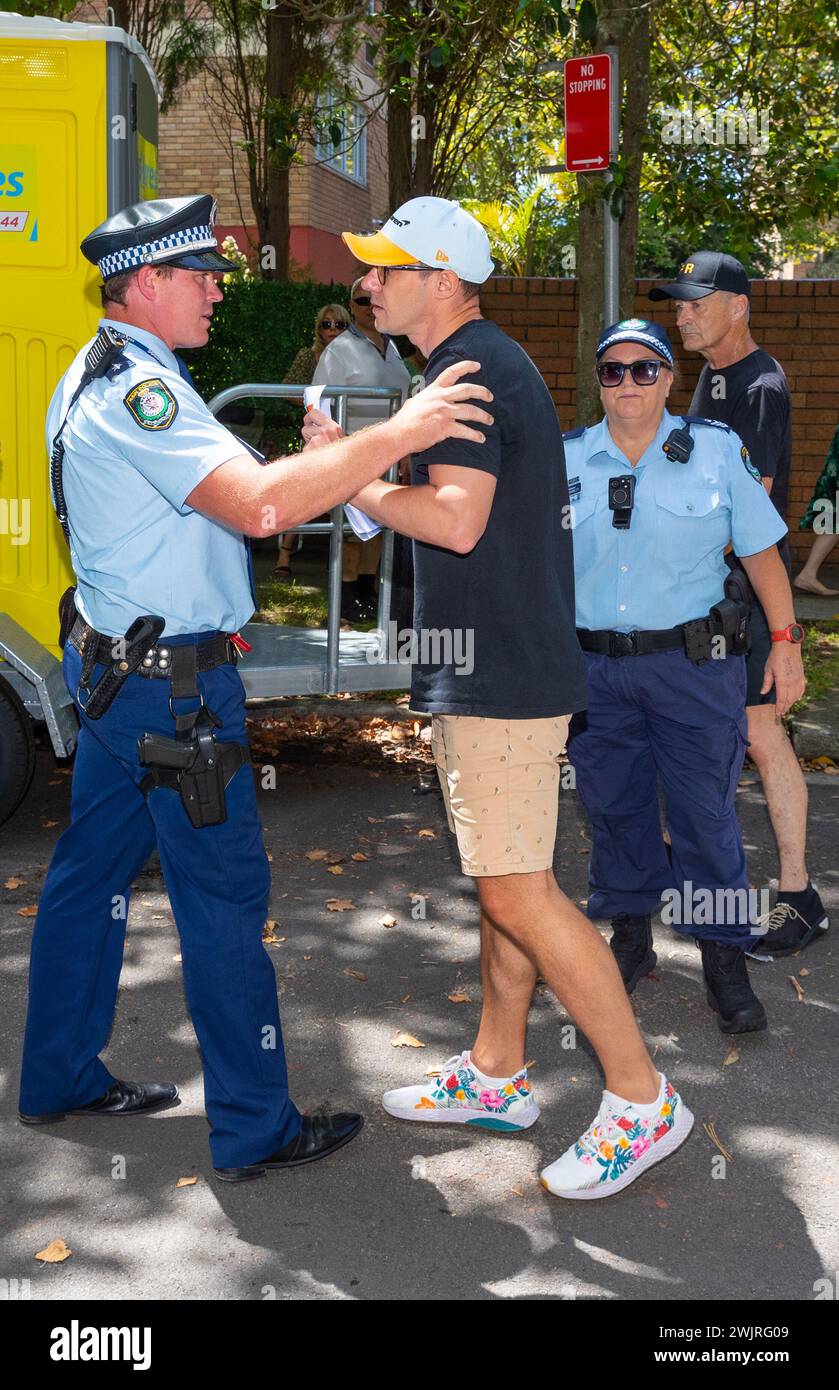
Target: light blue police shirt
point(136, 444)
point(668, 567)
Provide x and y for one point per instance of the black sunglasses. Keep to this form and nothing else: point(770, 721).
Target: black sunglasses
point(384, 270)
point(333, 323)
point(644, 372)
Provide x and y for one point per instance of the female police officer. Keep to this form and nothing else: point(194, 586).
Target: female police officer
point(655, 501)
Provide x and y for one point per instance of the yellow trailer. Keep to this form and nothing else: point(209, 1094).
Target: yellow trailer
point(78, 141)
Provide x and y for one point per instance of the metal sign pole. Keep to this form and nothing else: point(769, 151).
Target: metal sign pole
point(611, 226)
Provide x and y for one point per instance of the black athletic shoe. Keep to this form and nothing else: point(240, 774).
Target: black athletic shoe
point(632, 947)
point(730, 994)
point(795, 922)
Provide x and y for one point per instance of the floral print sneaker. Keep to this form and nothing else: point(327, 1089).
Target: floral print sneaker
point(620, 1144)
point(457, 1097)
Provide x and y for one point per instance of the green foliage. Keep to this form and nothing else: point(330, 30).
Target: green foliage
point(255, 334)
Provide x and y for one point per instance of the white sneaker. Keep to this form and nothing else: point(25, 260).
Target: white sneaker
point(457, 1097)
point(620, 1144)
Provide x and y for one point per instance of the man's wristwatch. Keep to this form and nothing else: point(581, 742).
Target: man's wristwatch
point(793, 633)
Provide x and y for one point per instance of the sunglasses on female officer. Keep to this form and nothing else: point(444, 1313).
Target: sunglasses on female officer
point(333, 323)
point(644, 372)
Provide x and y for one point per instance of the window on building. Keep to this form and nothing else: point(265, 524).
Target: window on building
point(345, 120)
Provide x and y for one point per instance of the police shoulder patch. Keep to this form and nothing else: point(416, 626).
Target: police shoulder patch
point(749, 466)
point(151, 404)
point(574, 434)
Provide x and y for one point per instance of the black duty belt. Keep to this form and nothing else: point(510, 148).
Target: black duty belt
point(638, 643)
point(173, 663)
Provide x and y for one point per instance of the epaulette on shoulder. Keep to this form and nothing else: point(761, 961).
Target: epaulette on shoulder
point(703, 420)
point(574, 434)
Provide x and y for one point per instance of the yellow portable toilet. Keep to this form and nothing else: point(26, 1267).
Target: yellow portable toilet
point(78, 141)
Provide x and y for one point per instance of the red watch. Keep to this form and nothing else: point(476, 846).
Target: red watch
point(793, 633)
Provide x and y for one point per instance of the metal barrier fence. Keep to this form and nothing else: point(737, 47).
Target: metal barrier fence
point(336, 527)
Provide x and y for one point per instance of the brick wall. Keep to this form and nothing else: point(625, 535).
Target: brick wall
point(797, 321)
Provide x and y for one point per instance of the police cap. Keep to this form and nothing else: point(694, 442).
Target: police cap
point(163, 231)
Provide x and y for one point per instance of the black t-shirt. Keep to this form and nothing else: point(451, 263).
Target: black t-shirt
point(514, 592)
point(752, 396)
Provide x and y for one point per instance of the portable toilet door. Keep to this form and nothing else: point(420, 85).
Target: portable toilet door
point(78, 141)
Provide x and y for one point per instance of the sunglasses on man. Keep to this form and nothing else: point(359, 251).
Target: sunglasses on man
point(644, 372)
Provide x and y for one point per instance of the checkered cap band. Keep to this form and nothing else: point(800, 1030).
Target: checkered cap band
point(190, 239)
point(637, 336)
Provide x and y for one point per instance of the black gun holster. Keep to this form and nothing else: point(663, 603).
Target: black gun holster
point(199, 767)
point(733, 612)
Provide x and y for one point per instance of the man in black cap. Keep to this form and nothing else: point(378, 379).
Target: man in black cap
point(744, 387)
point(154, 495)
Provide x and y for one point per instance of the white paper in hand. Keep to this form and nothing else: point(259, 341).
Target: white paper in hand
point(363, 525)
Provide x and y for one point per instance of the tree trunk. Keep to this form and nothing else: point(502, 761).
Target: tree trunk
point(625, 25)
point(278, 97)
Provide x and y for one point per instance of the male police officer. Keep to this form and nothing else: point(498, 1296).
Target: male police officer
point(744, 387)
point(154, 494)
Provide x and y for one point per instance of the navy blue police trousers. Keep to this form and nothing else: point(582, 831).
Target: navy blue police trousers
point(660, 722)
point(218, 881)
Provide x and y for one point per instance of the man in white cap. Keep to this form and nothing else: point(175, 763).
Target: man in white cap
point(494, 576)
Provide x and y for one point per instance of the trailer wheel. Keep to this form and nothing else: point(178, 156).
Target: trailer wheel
point(17, 751)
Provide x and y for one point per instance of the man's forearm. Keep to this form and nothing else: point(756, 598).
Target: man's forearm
point(770, 582)
point(416, 511)
point(294, 489)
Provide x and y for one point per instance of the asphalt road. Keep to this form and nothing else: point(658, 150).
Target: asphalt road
point(422, 1212)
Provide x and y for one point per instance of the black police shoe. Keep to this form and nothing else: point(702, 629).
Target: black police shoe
point(632, 947)
point(320, 1135)
point(729, 992)
point(794, 923)
point(122, 1098)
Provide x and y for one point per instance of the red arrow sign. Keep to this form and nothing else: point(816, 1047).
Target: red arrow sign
point(588, 86)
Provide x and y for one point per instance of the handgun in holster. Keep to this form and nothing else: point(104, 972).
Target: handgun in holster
point(199, 768)
point(733, 612)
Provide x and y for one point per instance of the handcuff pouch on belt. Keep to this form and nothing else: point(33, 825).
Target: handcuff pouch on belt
point(194, 763)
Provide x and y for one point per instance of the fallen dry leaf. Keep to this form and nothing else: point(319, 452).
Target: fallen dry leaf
point(405, 1040)
point(427, 834)
point(731, 1056)
point(14, 882)
point(339, 904)
point(516, 1191)
point(804, 971)
point(660, 1202)
point(460, 996)
point(388, 920)
point(54, 783)
point(375, 820)
point(334, 869)
point(48, 824)
point(316, 853)
point(270, 927)
point(404, 999)
point(356, 974)
point(799, 989)
point(307, 957)
point(186, 1182)
point(55, 1252)
point(27, 912)
point(360, 858)
point(269, 856)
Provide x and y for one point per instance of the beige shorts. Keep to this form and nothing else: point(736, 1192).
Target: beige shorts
point(500, 781)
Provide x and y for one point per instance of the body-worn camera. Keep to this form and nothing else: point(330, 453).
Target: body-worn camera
point(621, 496)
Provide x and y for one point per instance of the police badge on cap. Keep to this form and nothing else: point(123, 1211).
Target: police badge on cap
point(164, 231)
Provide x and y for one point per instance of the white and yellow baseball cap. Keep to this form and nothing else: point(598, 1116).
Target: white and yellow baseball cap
point(435, 232)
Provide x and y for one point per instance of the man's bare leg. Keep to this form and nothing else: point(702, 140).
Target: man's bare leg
point(508, 977)
point(785, 790)
point(541, 923)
